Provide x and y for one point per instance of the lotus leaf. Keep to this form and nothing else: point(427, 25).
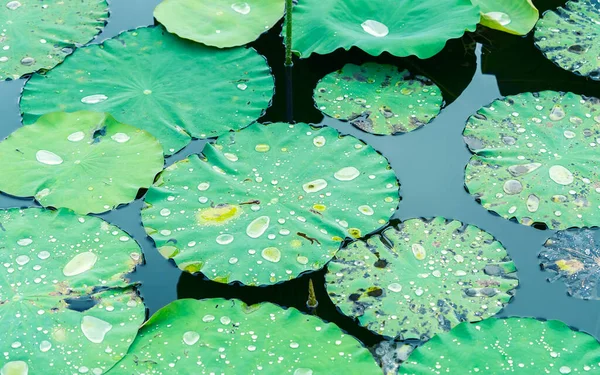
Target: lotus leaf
point(225, 23)
point(66, 305)
point(422, 278)
point(173, 88)
point(218, 336)
point(511, 16)
point(400, 27)
point(574, 255)
point(269, 202)
point(568, 37)
point(38, 35)
point(535, 158)
point(515, 345)
point(85, 161)
point(379, 99)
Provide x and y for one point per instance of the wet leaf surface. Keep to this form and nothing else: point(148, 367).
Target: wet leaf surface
point(511, 16)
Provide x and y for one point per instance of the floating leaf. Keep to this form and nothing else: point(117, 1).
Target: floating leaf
point(574, 255)
point(85, 161)
point(568, 37)
point(65, 302)
point(536, 158)
point(379, 99)
point(497, 346)
point(225, 336)
point(269, 202)
point(422, 278)
point(225, 23)
point(173, 88)
point(38, 35)
point(511, 16)
point(400, 27)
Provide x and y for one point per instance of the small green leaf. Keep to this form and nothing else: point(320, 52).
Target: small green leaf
point(511, 16)
point(85, 161)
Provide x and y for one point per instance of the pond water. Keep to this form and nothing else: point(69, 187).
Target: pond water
point(429, 162)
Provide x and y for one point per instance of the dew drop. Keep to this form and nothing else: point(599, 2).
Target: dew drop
point(242, 86)
point(44, 255)
point(165, 212)
point(395, 287)
point(375, 28)
point(557, 113)
point(523, 169)
point(120, 137)
point(191, 337)
point(569, 134)
point(419, 251)
point(208, 318)
point(346, 174)
point(80, 263)
point(502, 18)
point(272, 254)
point(94, 99)
point(512, 187)
point(366, 210)
point(565, 370)
point(12, 5)
point(533, 203)
point(319, 141)
point(231, 157)
point(22, 260)
point(15, 367)
point(262, 147)
point(241, 8)
point(258, 227)
point(302, 259)
point(76, 137)
point(224, 239)
point(561, 175)
point(27, 61)
point(203, 186)
point(303, 371)
point(45, 346)
point(24, 241)
point(47, 157)
point(95, 329)
point(314, 186)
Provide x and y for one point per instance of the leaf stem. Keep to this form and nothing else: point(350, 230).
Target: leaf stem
point(288, 32)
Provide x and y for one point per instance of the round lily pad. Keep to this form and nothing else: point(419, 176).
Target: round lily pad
point(224, 23)
point(269, 202)
point(38, 35)
point(226, 336)
point(422, 278)
point(65, 302)
point(379, 99)
point(535, 158)
point(173, 88)
point(513, 345)
point(400, 27)
point(511, 16)
point(574, 257)
point(85, 161)
point(568, 37)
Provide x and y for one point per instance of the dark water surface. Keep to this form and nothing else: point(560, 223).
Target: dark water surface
point(429, 163)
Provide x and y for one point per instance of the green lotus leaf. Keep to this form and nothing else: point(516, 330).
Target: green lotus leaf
point(379, 99)
point(85, 161)
point(535, 159)
point(511, 16)
point(269, 202)
point(225, 23)
point(38, 35)
point(422, 278)
point(173, 88)
point(574, 256)
point(400, 27)
point(513, 345)
point(225, 336)
point(66, 305)
point(568, 37)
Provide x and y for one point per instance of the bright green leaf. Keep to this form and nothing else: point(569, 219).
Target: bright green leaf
point(536, 159)
point(38, 35)
point(219, 23)
point(512, 16)
point(216, 336)
point(269, 202)
point(173, 88)
point(51, 260)
point(378, 99)
point(85, 161)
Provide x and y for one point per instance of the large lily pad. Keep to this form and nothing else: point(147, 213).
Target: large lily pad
point(574, 255)
point(511, 16)
point(379, 99)
point(173, 88)
point(269, 202)
point(400, 27)
point(85, 161)
point(536, 158)
point(513, 345)
point(224, 23)
point(66, 306)
point(568, 37)
point(38, 35)
point(217, 336)
point(422, 278)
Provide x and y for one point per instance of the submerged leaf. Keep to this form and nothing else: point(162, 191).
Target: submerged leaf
point(400, 27)
point(512, 16)
point(65, 303)
point(569, 37)
point(38, 35)
point(173, 88)
point(535, 158)
point(422, 279)
point(513, 345)
point(378, 99)
point(85, 161)
point(219, 23)
point(574, 255)
point(269, 202)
